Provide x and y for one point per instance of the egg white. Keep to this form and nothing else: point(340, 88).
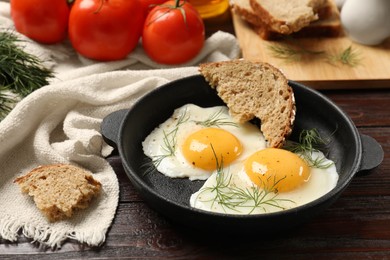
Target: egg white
point(176, 166)
point(321, 182)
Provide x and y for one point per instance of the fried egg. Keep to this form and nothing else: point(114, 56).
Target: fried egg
point(193, 141)
point(269, 180)
point(242, 175)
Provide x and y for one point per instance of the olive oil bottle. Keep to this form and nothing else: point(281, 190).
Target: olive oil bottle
point(210, 8)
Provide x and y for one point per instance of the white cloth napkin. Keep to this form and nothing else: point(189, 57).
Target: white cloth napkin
point(60, 123)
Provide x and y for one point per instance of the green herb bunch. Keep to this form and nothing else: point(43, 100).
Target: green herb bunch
point(20, 72)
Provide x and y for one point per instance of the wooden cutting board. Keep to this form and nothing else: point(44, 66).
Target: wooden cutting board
point(372, 70)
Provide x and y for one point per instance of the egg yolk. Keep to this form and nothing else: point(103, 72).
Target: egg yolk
point(202, 147)
point(277, 169)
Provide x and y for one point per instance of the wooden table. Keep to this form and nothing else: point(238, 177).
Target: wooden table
point(357, 226)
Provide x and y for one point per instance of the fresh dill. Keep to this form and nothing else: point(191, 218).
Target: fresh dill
point(348, 57)
point(216, 120)
point(169, 142)
point(229, 196)
point(310, 141)
point(289, 53)
point(20, 72)
point(6, 102)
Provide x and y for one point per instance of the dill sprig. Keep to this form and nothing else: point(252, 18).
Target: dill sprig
point(6, 102)
point(169, 141)
point(348, 57)
point(290, 54)
point(310, 141)
point(20, 72)
point(231, 197)
point(216, 120)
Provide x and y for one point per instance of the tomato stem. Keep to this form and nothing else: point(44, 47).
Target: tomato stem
point(177, 3)
point(170, 8)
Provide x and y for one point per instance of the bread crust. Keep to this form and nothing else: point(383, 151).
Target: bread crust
point(253, 89)
point(328, 25)
point(246, 13)
point(59, 189)
point(284, 26)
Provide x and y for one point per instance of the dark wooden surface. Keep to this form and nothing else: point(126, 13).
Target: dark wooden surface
point(357, 226)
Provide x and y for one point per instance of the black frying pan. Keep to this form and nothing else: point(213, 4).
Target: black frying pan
point(126, 129)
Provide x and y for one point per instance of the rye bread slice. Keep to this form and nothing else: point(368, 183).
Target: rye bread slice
point(59, 189)
point(254, 90)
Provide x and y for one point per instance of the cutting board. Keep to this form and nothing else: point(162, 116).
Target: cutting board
point(317, 71)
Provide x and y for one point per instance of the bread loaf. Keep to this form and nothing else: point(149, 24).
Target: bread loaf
point(59, 189)
point(328, 25)
point(254, 90)
point(287, 16)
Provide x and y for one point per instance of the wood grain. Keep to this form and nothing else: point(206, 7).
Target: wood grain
point(373, 69)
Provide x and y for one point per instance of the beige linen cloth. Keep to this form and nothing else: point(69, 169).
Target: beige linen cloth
point(60, 123)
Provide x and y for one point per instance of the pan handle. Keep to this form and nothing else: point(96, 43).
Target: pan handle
point(372, 155)
point(111, 125)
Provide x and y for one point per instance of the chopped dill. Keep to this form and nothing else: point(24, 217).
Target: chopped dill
point(216, 120)
point(310, 141)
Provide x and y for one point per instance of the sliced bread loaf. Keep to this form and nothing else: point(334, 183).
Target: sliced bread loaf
point(328, 25)
point(244, 10)
point(287, 16)
point(59, 189)
point(254, 90)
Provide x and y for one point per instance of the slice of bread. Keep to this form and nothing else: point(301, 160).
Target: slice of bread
point(244, 10)
point(328, 25)
point(254, 90)
point(59, 189)
point(287, 16)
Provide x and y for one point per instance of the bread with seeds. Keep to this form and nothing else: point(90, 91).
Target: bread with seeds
point(252, 89)
point(59, 189)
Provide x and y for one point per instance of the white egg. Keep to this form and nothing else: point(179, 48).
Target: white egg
point(231, 191)
point(366, 22)
point(165, 144)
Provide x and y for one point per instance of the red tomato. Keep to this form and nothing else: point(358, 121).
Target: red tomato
point(173, 35)
point(105, 30)
point(148, 5)
point(44, 21)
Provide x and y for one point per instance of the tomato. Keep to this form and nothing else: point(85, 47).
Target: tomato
point(45, 21)
point(105, 30)
point(173, 33)
point(148, 5)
